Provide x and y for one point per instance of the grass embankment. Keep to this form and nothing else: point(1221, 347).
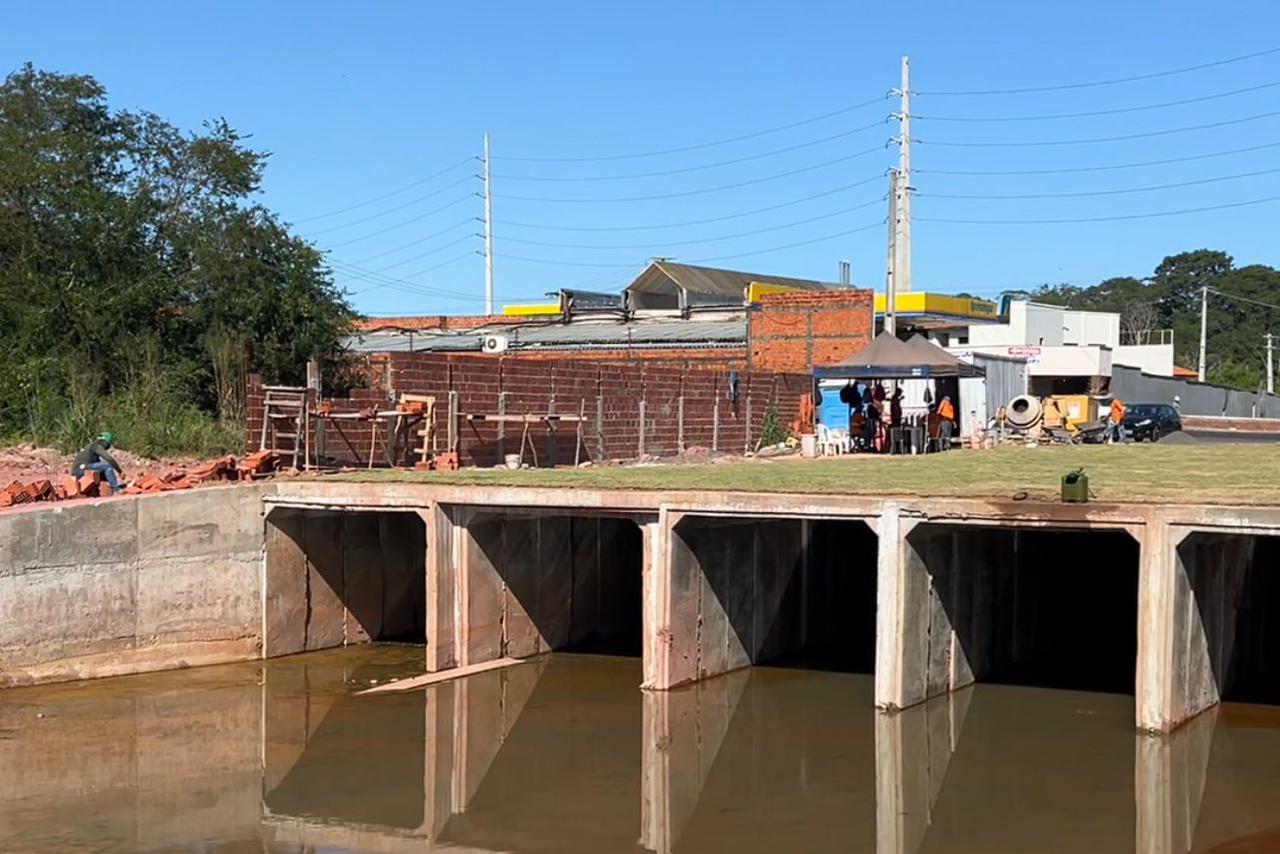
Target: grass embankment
point(1211, 473)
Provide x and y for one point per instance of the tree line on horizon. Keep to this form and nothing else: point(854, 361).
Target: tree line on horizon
point(140, 279)
point(1169, 299)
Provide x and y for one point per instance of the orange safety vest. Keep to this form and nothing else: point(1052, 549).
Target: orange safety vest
point(947, 411)
point(1117, 411)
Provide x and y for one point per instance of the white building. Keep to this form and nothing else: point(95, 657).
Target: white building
point(1067, 351)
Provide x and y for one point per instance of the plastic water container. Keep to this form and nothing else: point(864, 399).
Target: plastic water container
point(1075, 487)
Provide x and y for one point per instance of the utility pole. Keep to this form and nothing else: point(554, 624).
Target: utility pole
point(903, 267)
point(488, 232)
point(1271, 380)
point(891, 264)
point(1204, 325)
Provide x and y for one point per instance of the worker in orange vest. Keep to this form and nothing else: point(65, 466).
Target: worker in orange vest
point(947, 412)
point(1115, 423)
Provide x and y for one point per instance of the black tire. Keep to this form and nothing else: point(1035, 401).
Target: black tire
point(1155, 435)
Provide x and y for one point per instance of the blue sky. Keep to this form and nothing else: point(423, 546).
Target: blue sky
point(361, 101)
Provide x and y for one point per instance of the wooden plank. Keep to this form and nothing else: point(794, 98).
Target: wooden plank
point(444, 676)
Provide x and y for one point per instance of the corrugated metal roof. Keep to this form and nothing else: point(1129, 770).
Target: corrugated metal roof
point(666, 276)
point(717, 332)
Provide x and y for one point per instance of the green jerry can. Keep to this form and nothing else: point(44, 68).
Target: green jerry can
point(1075, 487)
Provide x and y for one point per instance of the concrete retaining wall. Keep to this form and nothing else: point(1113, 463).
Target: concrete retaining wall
point(130, 584)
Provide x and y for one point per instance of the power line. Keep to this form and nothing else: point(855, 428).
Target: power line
point(827, 237)
point(1244, 299)
point(406, 285)
point(716, 239)
point(687, 169)
point(655, 226)
point(407, 204)
point(1145, 135)
point(468, 221)
point(1107, 168)
point(1089, 113)
point(699, 146)
point(1151, 215)
point(810, 242)
point(429, 252)
point(1118, 192)
point(1113, 81)
point(395, 192)
point(403, 223)
point(702, 191)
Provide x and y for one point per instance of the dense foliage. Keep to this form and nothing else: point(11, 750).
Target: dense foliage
point(1238, 317)
point(139, 280)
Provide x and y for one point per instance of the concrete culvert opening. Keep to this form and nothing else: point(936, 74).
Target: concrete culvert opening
point(781, 592)
point(566, 583)
point(1034, 607)
point(1235, 579)
point(336, 578)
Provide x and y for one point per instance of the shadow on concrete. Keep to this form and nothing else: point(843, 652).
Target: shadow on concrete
point(1235, 579)
point(1034, 607)
point(787, 592)
point(570, 583)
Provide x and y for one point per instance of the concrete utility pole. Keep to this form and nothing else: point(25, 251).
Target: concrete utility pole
point(1204, 326)
point(488, 232)
point(1271, 380)
point(903, 267)
point(891, 264)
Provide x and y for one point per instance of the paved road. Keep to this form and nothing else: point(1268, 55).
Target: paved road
point(1234, 436)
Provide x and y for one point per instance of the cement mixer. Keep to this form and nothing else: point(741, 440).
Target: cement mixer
point(1023, 412)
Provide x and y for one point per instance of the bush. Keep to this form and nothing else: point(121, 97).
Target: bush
point(772, 432)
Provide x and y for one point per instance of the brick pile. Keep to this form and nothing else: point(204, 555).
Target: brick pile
point(91, 484)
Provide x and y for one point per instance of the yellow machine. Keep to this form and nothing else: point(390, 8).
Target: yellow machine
point(1069, 410)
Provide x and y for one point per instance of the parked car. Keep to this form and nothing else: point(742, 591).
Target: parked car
point(1145, 421)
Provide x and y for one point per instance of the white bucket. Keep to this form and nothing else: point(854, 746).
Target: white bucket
point(808, 445)
point(512, 461)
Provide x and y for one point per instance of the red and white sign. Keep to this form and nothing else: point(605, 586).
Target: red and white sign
point(1027, 352)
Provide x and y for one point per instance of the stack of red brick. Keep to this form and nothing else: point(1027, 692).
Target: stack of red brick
point(227, 468)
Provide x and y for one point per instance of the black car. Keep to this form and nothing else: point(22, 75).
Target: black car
point(1151, 421)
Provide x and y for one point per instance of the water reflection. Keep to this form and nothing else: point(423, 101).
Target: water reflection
point(564, 754)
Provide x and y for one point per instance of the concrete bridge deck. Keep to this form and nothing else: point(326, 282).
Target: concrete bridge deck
point(1172, 602)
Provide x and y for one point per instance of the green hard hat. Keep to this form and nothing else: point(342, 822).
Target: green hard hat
point(106, 438)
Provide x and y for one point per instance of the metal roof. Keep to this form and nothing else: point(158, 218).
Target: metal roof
point(712, 331)
point(667, 276)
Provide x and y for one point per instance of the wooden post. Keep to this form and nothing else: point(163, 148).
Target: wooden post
point(453, 421)
point(640, 449)
point(715, 425)
point(599, 428)
point(502, 428)
point(747, 428)
point(552, 445)
point(680, 424)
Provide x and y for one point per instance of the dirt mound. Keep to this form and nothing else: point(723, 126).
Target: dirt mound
point(1179, 438)
point(28, 462)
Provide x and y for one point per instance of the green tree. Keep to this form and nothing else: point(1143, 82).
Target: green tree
point(127, 245)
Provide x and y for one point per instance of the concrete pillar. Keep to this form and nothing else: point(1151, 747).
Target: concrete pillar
point(1191, 587)
point(670, 621)
point(903, 592)
point(441, 588)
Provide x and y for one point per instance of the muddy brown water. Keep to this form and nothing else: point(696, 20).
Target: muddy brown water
point(565, 754)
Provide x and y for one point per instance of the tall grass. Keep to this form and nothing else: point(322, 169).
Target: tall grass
point(149, 411)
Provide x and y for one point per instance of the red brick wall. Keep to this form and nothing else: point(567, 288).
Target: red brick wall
point(674, 408)
point(793, 332)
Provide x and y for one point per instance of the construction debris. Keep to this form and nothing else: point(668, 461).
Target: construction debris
point(90, 484)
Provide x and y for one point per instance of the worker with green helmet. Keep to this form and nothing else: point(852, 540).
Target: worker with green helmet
point(95, 457)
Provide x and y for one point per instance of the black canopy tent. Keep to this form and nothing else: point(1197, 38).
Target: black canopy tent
point(888, 358)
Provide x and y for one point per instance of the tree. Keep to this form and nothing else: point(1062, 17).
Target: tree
point(1137, 321)
point(126, 242)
